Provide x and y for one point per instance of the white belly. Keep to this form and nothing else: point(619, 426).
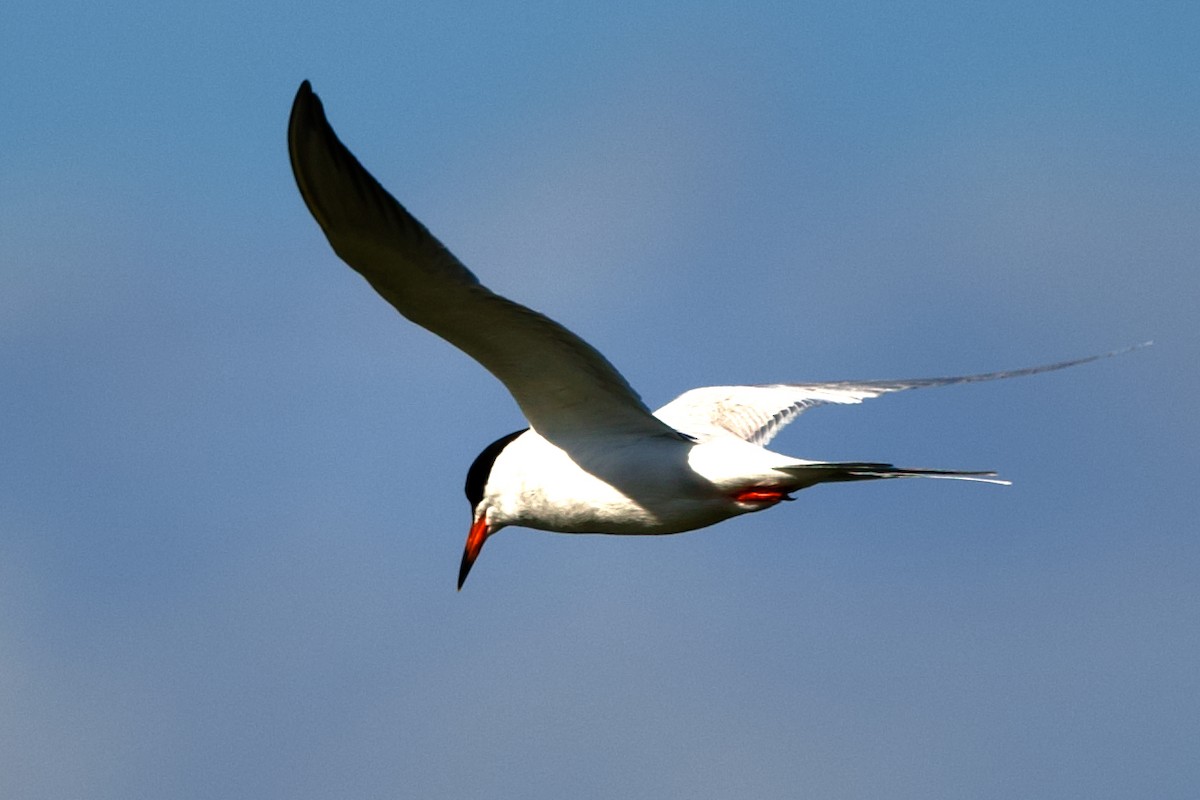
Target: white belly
point(637, 486)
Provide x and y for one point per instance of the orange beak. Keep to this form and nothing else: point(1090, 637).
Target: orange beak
point(475, 539)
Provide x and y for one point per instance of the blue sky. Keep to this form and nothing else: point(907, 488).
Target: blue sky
point(230, 494)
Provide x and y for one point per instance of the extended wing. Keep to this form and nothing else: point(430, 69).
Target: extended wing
point(757, 413)
point(562, 384)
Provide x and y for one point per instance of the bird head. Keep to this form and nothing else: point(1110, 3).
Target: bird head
point(476, 489)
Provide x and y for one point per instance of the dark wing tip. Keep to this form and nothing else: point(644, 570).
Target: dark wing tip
point(306, 121)
point(349, 204)
point(324, 167)
point(304, 96)
point(340, 194)
point(306, 113)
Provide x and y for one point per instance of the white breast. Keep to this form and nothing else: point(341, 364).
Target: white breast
point(623, 485)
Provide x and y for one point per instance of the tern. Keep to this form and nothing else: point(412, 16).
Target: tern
point(594, 458)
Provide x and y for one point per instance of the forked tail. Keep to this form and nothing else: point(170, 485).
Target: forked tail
point(836, 471)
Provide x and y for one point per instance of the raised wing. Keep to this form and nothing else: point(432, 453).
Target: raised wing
point(757, 413)
point(562, 384)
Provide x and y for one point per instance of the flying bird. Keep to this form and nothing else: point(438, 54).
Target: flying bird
point(594, 458)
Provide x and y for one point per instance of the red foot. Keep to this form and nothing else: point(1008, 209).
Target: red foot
point(759, 496)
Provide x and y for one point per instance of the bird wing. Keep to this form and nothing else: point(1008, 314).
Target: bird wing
point(757, 413)
point(562, 384)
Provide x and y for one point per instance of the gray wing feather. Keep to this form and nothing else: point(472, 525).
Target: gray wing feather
point(757, 413)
